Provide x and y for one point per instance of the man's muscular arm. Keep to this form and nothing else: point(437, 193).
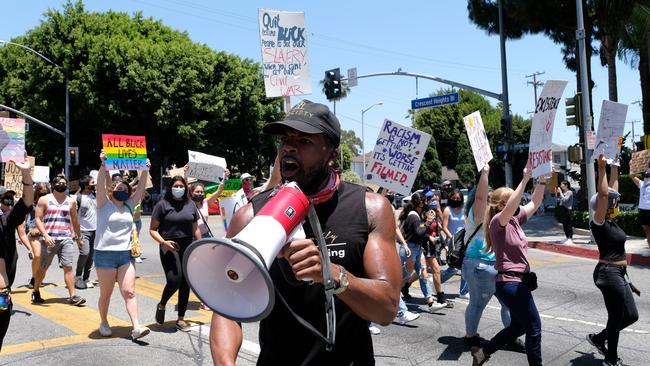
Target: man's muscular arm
point(225, 334)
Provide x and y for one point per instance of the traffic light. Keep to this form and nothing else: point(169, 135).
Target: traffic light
point(332, 83)
point(73, 154)
point(575, 153)
point(574, 110)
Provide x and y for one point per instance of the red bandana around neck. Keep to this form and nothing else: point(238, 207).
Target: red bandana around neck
point(326, 193)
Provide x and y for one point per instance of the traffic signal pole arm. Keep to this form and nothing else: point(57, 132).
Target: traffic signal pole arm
point(33, 119)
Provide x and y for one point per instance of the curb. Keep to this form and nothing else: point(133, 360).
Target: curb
point(585, 252)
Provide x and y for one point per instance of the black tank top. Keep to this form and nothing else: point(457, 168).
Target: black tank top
point(283, 341)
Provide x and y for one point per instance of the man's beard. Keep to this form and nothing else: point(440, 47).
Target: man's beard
point(311, 181)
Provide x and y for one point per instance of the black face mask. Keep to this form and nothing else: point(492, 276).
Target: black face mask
point(121, 196)
point(198, 197)
point(60, 187)
point(454, 203)
point(647, 175)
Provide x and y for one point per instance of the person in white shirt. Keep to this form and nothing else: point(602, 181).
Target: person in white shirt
point(87, 207)
point(644, 201)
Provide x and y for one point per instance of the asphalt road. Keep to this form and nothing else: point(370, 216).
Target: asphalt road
point(56, 333)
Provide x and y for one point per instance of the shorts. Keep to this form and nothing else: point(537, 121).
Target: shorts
point(644, 217)
point(64, 248)
point(112, 259)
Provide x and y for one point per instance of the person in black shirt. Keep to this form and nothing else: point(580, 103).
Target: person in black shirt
point(12, 216)
point(174, 226)
point(609, 274)
point(359, 229)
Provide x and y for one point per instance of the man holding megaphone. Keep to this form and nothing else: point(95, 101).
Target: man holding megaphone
point(358, 229)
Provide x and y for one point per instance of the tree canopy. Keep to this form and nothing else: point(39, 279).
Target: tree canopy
point(134, 75)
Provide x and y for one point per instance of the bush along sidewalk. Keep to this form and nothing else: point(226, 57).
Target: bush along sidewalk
point(628, 221)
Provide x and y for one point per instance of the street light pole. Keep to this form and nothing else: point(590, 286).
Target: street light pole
point(363, 141)
point(67, 102)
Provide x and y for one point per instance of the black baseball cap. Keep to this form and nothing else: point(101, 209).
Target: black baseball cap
point(311, 118)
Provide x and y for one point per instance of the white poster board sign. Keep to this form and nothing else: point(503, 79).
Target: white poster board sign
point(610, 130)
point(478, 139)
point(540, 153)
point(229, 205)
point(397, 157)
point(205, 167)
point(41, 174)
point(283, 38)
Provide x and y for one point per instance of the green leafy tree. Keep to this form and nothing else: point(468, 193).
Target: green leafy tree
point(354, 143)
point(132, 75)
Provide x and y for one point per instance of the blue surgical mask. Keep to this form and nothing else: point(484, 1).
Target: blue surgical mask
point(121, 196)
point(178, 192)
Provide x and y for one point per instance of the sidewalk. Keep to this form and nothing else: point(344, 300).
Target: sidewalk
point(545, 233)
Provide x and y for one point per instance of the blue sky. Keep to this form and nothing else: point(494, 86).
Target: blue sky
point(428, 37)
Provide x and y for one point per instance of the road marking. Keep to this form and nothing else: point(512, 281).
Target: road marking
point(154, 290)
point(247, 346)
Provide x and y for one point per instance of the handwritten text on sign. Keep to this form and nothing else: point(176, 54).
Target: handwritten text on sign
point(125, 152)
point(610, 130)
point(540, 153)
point(283, 38)
point(14, 176)
point(12, 140)
point(397, 157)
point(205, 167)
point(478, 139)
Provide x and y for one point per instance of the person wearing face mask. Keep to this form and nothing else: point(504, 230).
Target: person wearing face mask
point(644, 201)
point(453, 219)
point(12, 216)
point(611, 270)
point(58, 223)
point(174, 226)
point(197, 194)
point(113, 260)
point(28, 232)
point(87, 209)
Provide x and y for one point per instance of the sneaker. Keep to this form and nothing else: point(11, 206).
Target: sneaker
point(36, 298)
point(464, 296)
point(374, 330)
point(105, 330)
point(139, 333)
point(617, 363)
point(407, 317)
point(478, 356)
point(89, 284)
point(138, 260)
point(76, 300)
point(568, 241)
point(599, 346)
point(442, 299)
point(160, 314)
point(183, 326)
point(30, 285)
point(473, 341)
point(515, 346)
point(80, 284)
point(405, 292)
point(434, 306)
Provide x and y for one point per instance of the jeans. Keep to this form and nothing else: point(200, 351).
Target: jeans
point(480, 277)
point(402, 258)
point(416, 255)
point(621, 309)
point(85, 260)
point(525, 319)
point(448, 273)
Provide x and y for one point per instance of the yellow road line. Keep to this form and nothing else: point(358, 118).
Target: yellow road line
point(10, 349)
point(154, 290)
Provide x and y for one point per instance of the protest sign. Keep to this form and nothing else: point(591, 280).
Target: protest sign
point(14, 177)
point(41, 174)
point(283, 39)
point(610, 130)
point(12, 140)
point(175, 171)
point(230, 187)
point(478, 139)
point(125, 152)
point(540, 154)
point(397, 157)
point(205, 167)
point(639, 162)
point(230, 205)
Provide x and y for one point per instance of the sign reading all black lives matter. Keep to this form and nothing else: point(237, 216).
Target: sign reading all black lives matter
point(397, 157)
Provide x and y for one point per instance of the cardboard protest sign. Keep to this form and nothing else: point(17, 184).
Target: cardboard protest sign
point(14, 177)
point(230, 205)
point(540, 154)
point(124, 152)
point(12, 140)
point(205, 167)
point(639, 161)
point(478, 139)
point(230, 187)
point(552, 185)
point(610, 130)
point(397, 157)
point(149, 182)
point(41, 174)
point(283, 39)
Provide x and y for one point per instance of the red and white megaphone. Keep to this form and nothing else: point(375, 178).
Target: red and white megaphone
point(230, 276)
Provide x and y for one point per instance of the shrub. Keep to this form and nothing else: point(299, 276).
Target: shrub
point(628, 190)
point(628, 221)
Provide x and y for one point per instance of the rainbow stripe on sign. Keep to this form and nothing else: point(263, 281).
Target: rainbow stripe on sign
point(124, 152)
point(12, 140)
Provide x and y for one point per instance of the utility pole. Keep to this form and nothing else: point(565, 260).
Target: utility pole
point(535, 83)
